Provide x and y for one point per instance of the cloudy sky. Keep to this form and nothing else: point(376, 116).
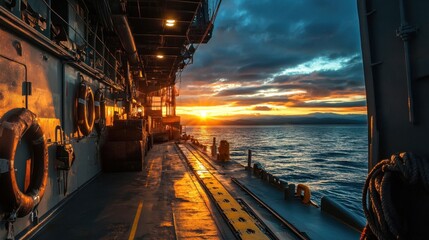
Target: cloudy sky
point(277, 57)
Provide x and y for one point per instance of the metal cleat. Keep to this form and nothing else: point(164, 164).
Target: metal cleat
point(10, 230)
point(34, 217)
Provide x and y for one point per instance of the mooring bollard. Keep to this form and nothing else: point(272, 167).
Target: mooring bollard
point(284, 185)
point(214, 148)
point(223, 151)
point(249, 159)
point(257, 169)
point(290, 191)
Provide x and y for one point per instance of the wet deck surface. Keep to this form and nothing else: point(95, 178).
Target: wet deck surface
point(167, 201)
point(172, 207)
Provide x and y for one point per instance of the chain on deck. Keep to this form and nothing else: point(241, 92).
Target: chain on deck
point(245, 226)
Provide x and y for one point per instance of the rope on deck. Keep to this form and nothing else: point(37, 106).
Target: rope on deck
point(383, 218)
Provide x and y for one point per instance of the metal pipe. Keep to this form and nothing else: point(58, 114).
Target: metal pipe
point(126, 68)
point(63, 93)
point(126, 37)
point(405, 30)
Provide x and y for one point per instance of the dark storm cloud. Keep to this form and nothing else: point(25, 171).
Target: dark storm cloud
point(255, 40)
point(262, 108)
point(242, 91)
point(190, 101)
point(330, 104)
point(246, 101)
point(353, 70)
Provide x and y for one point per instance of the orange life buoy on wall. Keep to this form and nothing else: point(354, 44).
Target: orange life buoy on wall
point(17, 124)
point(85, 109)
point(301, 188)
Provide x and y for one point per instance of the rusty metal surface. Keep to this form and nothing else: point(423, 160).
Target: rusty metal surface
point(43, 69)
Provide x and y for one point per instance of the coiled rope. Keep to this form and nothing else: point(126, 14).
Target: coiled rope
point(383, 219)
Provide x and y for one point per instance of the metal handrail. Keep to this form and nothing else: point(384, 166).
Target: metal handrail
point(96, 37)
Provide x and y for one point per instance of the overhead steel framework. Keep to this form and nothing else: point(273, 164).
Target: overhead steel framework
point(165, 36)
point(166, 33)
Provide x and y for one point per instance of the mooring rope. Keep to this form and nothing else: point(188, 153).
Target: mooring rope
point(383, 221)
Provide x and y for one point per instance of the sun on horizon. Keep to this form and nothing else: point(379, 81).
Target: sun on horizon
point(203, 115)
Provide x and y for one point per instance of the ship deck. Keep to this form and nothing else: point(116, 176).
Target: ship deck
point(172, 199)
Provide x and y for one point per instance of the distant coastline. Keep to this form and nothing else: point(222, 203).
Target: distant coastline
point(316, 118)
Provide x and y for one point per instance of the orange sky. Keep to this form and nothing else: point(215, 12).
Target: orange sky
point(280, 59)
point(231, 99)
point(207, 109)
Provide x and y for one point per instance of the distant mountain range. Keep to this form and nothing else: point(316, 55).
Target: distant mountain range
point(315, 118)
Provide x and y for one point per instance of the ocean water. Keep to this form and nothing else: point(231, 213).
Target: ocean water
point(330, 159)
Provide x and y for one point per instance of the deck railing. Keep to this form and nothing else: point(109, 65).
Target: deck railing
point(75, 33)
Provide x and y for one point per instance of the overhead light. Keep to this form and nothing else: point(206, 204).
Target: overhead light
point(160, 56)
point(170, 22)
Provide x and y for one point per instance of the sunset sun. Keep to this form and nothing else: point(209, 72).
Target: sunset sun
point(203, 115)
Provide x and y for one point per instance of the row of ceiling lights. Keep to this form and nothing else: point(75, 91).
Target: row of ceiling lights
point(168, 23)
point(187, 54)
point(190, 51)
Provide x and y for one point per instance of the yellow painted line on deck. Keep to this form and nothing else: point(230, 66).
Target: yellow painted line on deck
point(245, 226)
point(136, 221)
point(148, 173)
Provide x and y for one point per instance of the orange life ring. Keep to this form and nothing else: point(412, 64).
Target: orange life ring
point(17, 124)
point(301, 188)
point(85, 109)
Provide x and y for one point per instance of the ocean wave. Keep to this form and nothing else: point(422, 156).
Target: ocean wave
point(345, 163)
point(318, 160)
point(332, 154)
point(331, 160)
